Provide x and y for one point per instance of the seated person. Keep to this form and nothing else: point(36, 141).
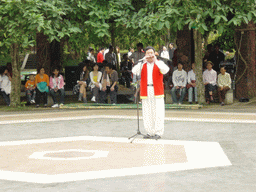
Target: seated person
point(57, 86)
point(191, 86)
point(5, 84)
point(95, 77)
point(224, 84)
point(91, 56)
point(179, 79)
point(109, 84)
point(31, 89)
point(82, 83)
point(210, 81)
point(41, 83)
point(125, 69)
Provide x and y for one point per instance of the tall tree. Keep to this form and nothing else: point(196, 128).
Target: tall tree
point(106, 16)
point(21, 19)
point(18, 23)
point(159, 15)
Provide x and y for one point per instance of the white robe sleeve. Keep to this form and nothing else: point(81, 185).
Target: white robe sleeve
point(162, 66)
point(136, 69)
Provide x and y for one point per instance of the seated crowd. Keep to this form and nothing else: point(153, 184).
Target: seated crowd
point(103, 79)
point(183, 81)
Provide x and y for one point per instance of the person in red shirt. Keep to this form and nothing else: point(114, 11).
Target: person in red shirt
point(100, 57)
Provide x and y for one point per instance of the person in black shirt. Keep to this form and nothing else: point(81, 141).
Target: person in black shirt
point(171, 50)
point(216, 57)
point(126, 67)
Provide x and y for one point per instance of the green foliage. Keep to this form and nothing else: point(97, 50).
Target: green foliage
point(20, 20)
point(201, 15)
point(213, 36)
point(4, 59)
point(226, 39)
point(70, 62)
point(88, 22)
point(103, 13)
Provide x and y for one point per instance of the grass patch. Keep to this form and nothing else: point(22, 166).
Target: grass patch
point(19, 108)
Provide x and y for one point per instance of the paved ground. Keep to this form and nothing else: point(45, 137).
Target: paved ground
point(232, 127)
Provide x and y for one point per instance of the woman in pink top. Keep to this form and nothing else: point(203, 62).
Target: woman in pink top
point(57, 85)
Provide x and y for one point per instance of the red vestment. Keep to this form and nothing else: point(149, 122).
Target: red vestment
point(157, 82)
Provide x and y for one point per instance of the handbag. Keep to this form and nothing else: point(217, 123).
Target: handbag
point(189, 85)
point(76, 89)
point(42, 87)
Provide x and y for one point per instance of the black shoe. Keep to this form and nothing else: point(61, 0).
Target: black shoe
point(190, 103)
point(147, 136)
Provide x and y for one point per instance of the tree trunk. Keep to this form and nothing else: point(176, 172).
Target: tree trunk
point(55, 54)
point(16, 82)
point(198, 66)
point(245, 77)
point(43, 54)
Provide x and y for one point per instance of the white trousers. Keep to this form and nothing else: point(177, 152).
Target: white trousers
point(153, 111)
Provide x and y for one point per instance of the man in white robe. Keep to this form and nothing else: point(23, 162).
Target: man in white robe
point(152, 93)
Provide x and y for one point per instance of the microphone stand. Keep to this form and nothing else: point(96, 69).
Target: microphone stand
point(138, 114)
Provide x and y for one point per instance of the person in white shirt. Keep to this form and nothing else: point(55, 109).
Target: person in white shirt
point(210, 81)
point(96, 86)
point(131, 50)
point(5, 84)
point(191, 86)
point(224, 84)
point(165, 53)
point(105, 52)
point(91, 56)
point(179, 79)
point(152, 93)
point(118, 55)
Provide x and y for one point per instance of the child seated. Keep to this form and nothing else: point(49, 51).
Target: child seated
point(30, 89)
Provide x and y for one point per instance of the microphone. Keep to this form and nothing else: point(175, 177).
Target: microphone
point(144, 58)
